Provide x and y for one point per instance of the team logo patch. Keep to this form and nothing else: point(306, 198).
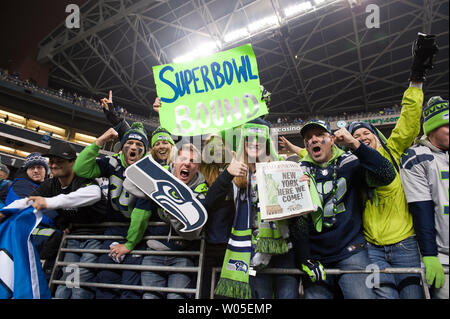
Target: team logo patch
point(162, 137)
point(168, 192)
point(134, 137)
point(237, 265)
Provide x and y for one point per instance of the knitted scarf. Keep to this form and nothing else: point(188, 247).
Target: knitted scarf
point(234, 278)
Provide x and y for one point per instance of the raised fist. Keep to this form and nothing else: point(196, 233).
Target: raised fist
point(424, 49)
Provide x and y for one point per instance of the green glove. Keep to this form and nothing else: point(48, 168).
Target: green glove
point(314, 270)
point(434, 271)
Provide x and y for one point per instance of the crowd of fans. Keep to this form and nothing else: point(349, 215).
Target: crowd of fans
point(282, 121)
point(153, 120)
point(378, 202)
point(75, 98)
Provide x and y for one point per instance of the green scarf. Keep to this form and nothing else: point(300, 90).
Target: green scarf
point(317, 215)
point(269, 239)
point(234, 277)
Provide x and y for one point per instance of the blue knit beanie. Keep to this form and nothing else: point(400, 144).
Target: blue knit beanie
point(36, 159)
point(136, 132)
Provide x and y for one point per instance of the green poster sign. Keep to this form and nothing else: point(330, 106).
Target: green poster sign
point(210, 94)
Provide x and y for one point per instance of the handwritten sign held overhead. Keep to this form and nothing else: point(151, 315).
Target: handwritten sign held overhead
point(210, 94)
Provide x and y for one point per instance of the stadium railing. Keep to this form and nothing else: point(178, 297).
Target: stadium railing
point(195, 271)
point(329, 271)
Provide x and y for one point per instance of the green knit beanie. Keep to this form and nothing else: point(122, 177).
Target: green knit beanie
point(161, 134)
point(435, 114)
point(257, 128)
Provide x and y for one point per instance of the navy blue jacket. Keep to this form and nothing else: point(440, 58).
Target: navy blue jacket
point(356, 172)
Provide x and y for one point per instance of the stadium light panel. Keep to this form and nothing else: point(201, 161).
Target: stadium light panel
point(80, 137)
point(13, 151)
point(33, 124)
point(7, 149)
point(81, 142)
point(12, 117)
point(202, 50)
point(263, 23)
point(254, 27)
point(237, 34)
point(258, 25)
point(297, 8)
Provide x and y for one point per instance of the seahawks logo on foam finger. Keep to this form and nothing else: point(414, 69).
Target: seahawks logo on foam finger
point(168, 192)
point(182, 207)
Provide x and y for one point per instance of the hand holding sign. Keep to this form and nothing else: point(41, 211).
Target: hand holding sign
point(157, 104)
point(305, 178)
point(236, 168)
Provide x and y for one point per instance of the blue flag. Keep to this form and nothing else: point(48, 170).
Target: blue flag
point(21, 273)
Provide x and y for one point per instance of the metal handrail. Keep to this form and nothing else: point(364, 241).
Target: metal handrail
point(196, 269)
point(135, 252)
point(131, 287)
point(332, 271)
point(121, 237)
point(129, 267)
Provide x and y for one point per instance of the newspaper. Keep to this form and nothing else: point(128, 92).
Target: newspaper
point(281, 194)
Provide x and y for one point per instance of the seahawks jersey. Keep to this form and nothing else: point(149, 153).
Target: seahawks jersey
point(88, 165)
point(120, 199)
point(340, 183)
point(424, 176)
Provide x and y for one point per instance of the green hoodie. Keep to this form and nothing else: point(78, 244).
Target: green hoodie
point(113, 167)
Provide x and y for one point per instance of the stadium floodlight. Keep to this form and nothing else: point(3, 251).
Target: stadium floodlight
point(201, 50)
point(297, 8)
point(236, 34)
point(258, 25)
point(13, 151)
point(7, 149)
point(263, 23)
point(84, 138)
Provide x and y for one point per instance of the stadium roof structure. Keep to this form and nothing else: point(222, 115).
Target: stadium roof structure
point(316, 57)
